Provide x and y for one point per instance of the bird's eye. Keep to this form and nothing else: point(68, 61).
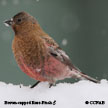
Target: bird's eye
point(19, 20)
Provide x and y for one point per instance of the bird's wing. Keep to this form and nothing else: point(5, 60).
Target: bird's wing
point(49, 41)
point(55, 51)
point(60, 55)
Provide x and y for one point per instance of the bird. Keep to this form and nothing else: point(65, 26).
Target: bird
point(38, 55)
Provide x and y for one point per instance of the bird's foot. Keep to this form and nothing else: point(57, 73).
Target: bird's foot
point(51, 84)
point(20, 85)
point(35, 84)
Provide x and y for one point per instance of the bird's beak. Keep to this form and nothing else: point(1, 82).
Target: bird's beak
point(8, 22)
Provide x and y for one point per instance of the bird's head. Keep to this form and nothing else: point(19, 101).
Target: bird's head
point(22, 22)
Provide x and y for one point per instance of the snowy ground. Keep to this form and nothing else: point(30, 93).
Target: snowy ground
point(64, 95)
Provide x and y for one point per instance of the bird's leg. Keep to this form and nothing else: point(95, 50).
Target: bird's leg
point(20, 85)
point(42, 72)
point(35, 84)
point(50, 85)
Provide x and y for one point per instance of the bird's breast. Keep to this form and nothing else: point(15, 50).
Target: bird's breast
point(32, 51)
point(51, 71)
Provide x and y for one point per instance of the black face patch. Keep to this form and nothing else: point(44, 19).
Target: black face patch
point(21, 14)
point(23, 17)
point(20, 17)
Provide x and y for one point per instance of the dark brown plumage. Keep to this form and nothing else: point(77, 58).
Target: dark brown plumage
point(37, 54)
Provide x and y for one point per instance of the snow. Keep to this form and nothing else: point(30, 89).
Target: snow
point(63, 95)
point(64, 42)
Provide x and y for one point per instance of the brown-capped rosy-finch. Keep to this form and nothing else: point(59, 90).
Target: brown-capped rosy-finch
point(38, 55)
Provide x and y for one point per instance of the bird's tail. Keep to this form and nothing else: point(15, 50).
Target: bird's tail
point(78, 74)
point(86, 77)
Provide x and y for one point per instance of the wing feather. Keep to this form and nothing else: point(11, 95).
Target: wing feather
point(55, 51)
